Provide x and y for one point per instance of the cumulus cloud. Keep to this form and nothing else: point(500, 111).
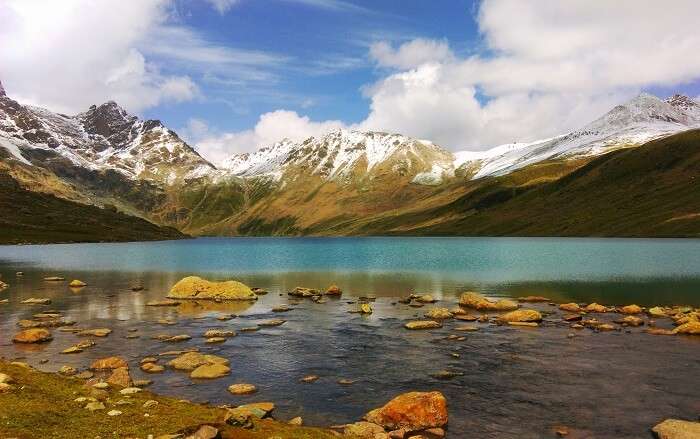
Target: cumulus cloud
point(270, 128)
point(222, 6)
point(411, 54)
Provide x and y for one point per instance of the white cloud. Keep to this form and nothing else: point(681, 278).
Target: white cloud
point(412, 54)
point(222, 6)
point(270, 128)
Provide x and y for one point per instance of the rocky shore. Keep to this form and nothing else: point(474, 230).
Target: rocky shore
point(100, 398)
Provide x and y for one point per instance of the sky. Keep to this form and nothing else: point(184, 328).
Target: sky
point(233, 75)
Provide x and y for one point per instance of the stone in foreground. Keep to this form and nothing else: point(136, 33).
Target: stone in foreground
point(413, 411)
point(194, 287)
point(677, 429)
point(34, 335)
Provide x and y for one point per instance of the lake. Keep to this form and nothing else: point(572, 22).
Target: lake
point(516, 382)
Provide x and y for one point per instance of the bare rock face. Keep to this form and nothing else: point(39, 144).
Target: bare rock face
point(414, 411)
point(194, 287)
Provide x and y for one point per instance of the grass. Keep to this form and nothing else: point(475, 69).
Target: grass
point(42, 406)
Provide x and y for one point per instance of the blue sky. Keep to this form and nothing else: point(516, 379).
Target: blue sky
point(233, 75)
point(325, 51)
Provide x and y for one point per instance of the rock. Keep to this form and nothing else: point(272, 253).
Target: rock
point(54, 279)
point(241, 415)
point(192, 360)
point(439, 314)
point(75, 283)
point(210, 371)
point(165, 302)
point(521, 315)
point(657, 312)
point(533, 299)
point(333, 290)
point(152, 368)
point(6, 388)
point(120, 377)
point(242, 389)
point(572, 317)
point(677, 429)
point(150, 404)
point(659, 331)
point(296, 421)
point(194, 287)
point(466, 317)
point(474, 300)
point(99, 332)
point(690, 328)
point(605, 327)
point(422, 324)
point(281, 308)
point(561, 431)
point(219, 333)
point(345, 382)
point(3, 285)
point(414, 411)
point(365, 430)
point(630, 321)
point(6, 379)
point(425, 298)
point(273, 322)
point(101, 385)
point(457, 311)
point(309, 379)
point(304, 292)
point(172, 338)
point(205, 432)
point(114, 413)
point(85, 375)
point(94, 406)
point(594, 307)
point(48, 323)
point(34, 335)
point(446, 374)
point(631, 309)
point(527, 324)
point(250, 329)
point(36, 301)
point(130, 391)
point(570, 307)
point(212, 340)
point(142, 383)
point(67, 370)
point(109, 363)
point(467, 328)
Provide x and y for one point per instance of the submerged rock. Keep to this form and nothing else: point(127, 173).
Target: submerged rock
point(99, 332)
point(439, 314)
point(36, 301)
point(273, 322)
point(521, 315)
point(194, 287)
point(413, 411)
point(165, 302)
point(677, 429)
point(34, 335)
point(210, 371)
point(422, 324)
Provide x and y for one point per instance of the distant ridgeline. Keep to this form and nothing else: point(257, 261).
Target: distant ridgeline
point(107, 175)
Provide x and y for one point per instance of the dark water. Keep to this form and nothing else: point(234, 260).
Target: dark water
point(517, 383)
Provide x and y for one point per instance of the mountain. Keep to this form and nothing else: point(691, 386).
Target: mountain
point(342, 183)
point(650, 191)
point(636, 122)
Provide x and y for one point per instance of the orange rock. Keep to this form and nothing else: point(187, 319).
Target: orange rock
point(120, 377)
point(533, 299)
point(413, 411)
point(108, 363)
point(33, 335)
point(595, 307)
point(571, 307)
point(334, 290)
point(631, 309)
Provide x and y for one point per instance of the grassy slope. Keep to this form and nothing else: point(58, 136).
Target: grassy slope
point(650, 191)
point(33, 217)
point(42, 406)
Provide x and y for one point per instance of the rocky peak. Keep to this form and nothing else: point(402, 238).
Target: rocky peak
point(108, 120)
point(2, 90)
point(681, 101)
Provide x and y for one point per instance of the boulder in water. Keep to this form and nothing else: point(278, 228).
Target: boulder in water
point(413, 411)
point(194, 287)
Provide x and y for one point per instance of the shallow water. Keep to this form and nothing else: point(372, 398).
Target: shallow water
point(517, 383)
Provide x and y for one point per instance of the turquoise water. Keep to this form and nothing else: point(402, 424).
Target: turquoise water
point(646, 270)
point(515, 383)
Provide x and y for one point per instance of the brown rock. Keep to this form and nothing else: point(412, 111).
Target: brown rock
point(690, 328)
point(570, 307)
point(414, 411)
point(677, 429)
point(193, 287)
point(594, 307)
point(205, 432)
point(533, 299)
point(109, 363)
point(439, 314)
point(521, 315)
point(75, 283)
point(631, 309)
point(210, 371)
point(36, 301)
point(152, 368)
point(192, 360)
point(166, 302)
point(309, 379)
point(333, 290)
point(242, 389)
point(630, 321)
point(120, 377)
point(365, 430)
point(34, 335)
point(422, 324)
point(99, 332)
point(273, 322)
point(659, 331)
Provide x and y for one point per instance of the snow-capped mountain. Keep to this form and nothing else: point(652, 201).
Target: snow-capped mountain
point(638, 121)
point(104, 137)
point(342, 155)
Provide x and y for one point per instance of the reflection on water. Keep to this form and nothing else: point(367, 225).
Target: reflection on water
point(517, 383)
